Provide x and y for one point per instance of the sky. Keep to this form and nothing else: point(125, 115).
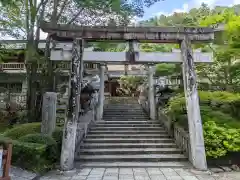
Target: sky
point(167, 7)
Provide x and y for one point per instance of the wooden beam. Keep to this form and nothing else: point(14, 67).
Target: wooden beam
point(63, 32)
point(120, 57)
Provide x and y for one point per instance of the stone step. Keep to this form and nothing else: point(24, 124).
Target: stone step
point(127, 132)
point(128, 140)
point(127, 125)
point(125, 128)
point(128, 145)
point(127, 136)
point(129, 158)
point(123, 108)
point(125, 119)
point(127, 122)
point(125, 115)
point(128, 151)
point(137, 164)
point(129, 110)
point(126, 112)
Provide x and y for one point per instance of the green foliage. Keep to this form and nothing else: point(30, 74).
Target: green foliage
point(57, 136)
point(129, 85)
point(165, 69)
point(224, 72)
point(150, 47)
point(31, 150)
point(220, 140)
point(51, 144)
point(22, 130)
point(32, 156)
point(220, 116)
point(4, 140)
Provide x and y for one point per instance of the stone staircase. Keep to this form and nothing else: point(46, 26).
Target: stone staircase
point(127, 138)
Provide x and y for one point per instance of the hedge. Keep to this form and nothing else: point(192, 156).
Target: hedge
point(220, 107)
point(22, 130)
point(57, 136)
point(31, 150)
point(30, 156)
point(52, 151)
point(220, 116)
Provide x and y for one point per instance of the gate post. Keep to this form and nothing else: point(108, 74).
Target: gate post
point(70, 126)
point(49, 107)
point(151, 98)
point(197, 155)
point(101, 92)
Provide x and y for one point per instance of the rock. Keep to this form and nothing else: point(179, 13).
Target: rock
point(235, 167)
point(216, 170)
point(227, 169)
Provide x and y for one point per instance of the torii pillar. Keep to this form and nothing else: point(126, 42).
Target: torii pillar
point(101, 92)
point(197, 148)
point(151, 96)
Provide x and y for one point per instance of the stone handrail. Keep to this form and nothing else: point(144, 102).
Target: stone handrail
point(85, 121)
point(180, 136)
point(182, 139)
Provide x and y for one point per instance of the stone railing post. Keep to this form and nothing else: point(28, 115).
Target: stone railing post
point(101, 92)
point(151, 98)
point(49, 108)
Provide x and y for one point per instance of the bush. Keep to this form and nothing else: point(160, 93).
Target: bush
point(219, 140)
point(57, 136)
point(31, 156)
point(221, 107)
point(4, 141)
point(220, 115)
point(51, 145)
point(22, 130)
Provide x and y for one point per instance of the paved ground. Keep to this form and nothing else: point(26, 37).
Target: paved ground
point(126, 174)
point(140, 174)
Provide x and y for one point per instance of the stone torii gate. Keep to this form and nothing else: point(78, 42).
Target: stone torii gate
point(180, 35)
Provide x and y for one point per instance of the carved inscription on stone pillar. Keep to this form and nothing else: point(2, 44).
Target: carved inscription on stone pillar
point(69, 134)
point(197, 155)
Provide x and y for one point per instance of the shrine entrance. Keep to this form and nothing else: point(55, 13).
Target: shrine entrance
point(76, 36)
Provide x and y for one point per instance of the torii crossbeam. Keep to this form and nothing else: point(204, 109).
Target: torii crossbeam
point(63, 32)
point(183, 36)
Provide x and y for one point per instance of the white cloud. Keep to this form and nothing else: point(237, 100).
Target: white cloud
point(236, 2)
point(185, 8)
point(197, 3)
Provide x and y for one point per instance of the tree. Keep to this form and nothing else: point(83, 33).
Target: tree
point(22, 19)
point(129, 85)
point(224, 71)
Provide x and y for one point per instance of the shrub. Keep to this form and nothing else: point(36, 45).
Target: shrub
point(4, 141)
point(51, 145)
point(221, 107)
point(31, 156)
point(57, 136)
point(220, 115)
point(22, 130)
point(219, 140)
